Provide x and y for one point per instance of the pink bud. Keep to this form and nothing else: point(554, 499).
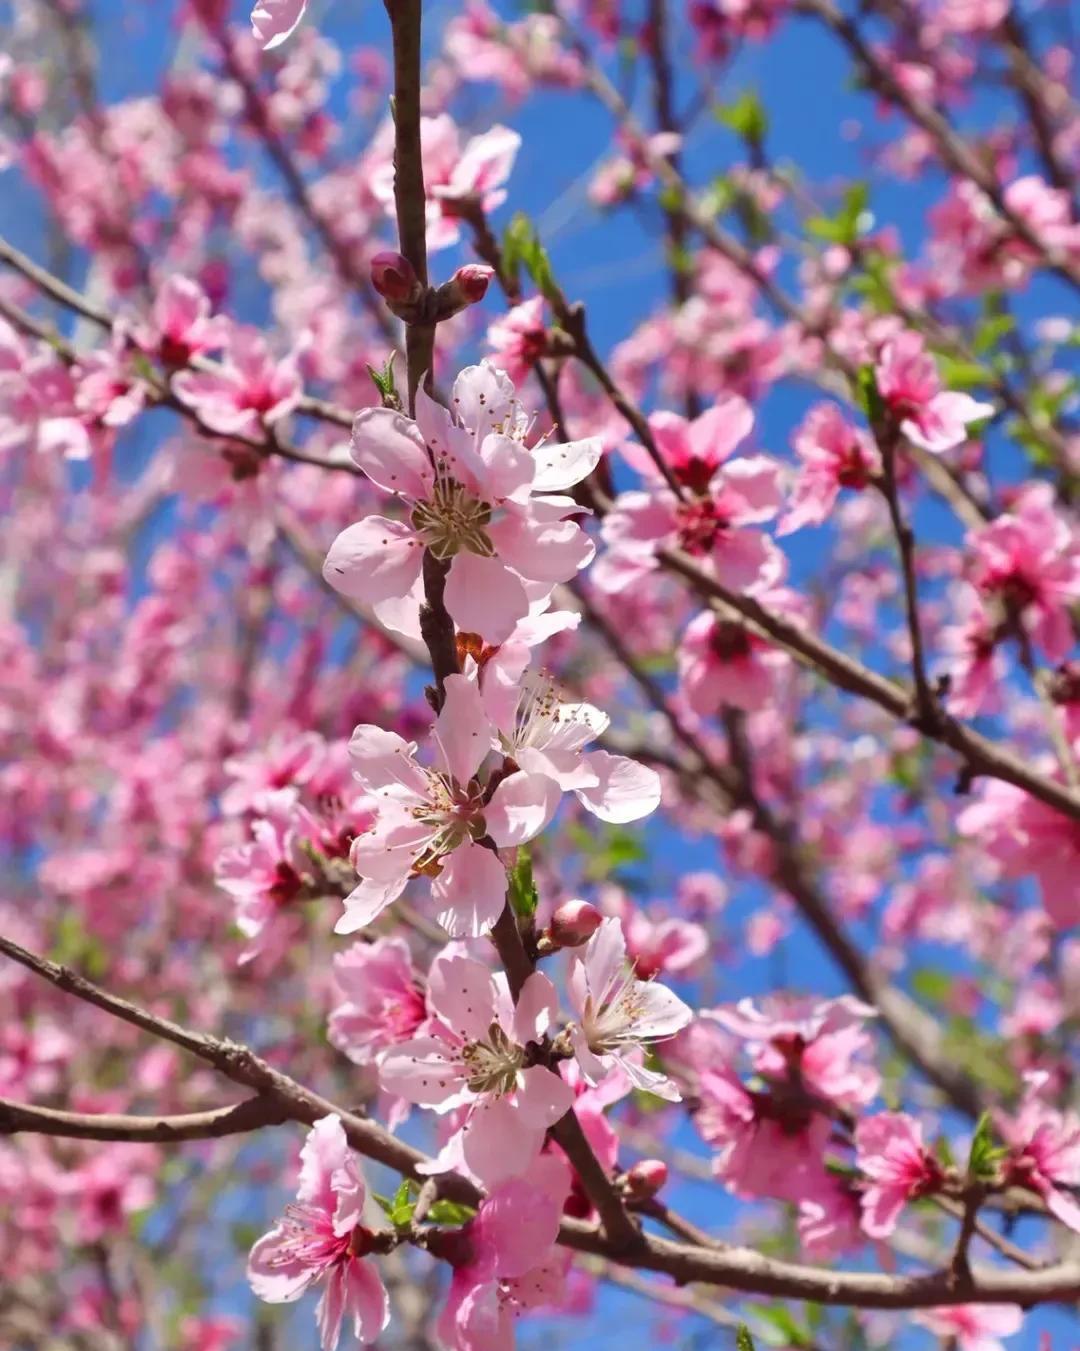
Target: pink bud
point(393, 277)
point(473, 279)
point(574, 923)
point(646, 1178)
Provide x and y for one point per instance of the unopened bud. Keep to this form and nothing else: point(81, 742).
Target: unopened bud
point(645, 1179)
point(574, 923)
point(393, 277)
point(468, 285)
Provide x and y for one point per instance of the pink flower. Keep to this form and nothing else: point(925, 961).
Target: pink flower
point(765, 1147)
point(1028, 560)
point(973, 1327)
point(693, 450)
point(976, 665)
point(891, 1154)
point(1027, 837)
point(618, 1013)
point(929, 416)
point(721, 662)
point(272, 21)
point(544, 736)
point(709, 521)
point(475, 1057)
point(181, 324)
point(519, 338)
point(457, 178)
point(476, 496)
point(381, 1002)
point(271, 871)
point(1044, 1151)
point(251, 390)
point(817, 1039)
point(429, 820)
point(513, 1265)
point(834, 455)
point(287, 760)
point(320, 1239)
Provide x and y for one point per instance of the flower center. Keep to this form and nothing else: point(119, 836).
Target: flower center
point(492, 1064)
point(699, 525)
point(454, 813)
point(608, 1025)
point(452, 519)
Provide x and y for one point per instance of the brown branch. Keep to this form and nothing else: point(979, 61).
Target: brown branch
point(734, 1268)
point(251, 1115)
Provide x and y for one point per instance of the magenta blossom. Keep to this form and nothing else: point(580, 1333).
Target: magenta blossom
point(722, 662)
point(1028, 561)
point(1044, 1151)
point(431, 820)
point(273, 21)
point(477, 498)
point(721, 498)
point(930, 417)
point(518, 338)
point(321, 1240)
point(898, 1166)
point(618, 1014)
point(181, 324)
point(513, 1264)
point(250, 391)
point(476, 1057)
point(381, 1003)
point(833, 455)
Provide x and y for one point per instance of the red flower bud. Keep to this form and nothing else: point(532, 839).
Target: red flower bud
point(393, 277)
point(645, 1179)
point(474, 279)
point(574, 923)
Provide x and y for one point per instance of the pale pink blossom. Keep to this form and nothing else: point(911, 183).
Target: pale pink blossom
point(381, 1003)
point(477, 498)
point(820, 1040)
point(721, 662)
point(973, 1327)
point(513, 1265)
point(429, 820)
point(908, 381)
point(543, 735)
point(618, 1014)
point(321, 1240)
point(475, 1057)
point(891, 1154)
point(273, 21)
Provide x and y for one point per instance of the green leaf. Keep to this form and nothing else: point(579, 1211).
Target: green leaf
point(959, 374)
point(450, 1212)
point(868, 395)
point(851, 221)
point(746, 117)
point(384, 382)
point(607, 850)
point(984, 1156)
point(522, 248)
point(743, 1340)
point(524, 897)
point(932, 984)
point(991, 331)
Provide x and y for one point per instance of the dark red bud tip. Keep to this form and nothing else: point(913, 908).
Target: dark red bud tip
point(393, 277)
point(473, 280)
point(574, 923)
point(646, 1178)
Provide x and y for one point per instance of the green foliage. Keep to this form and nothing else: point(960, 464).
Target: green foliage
point(984, 1156)
point(521, 247)
point(608, 850)
point(399, 1207)
point(385, 384)
point(746, 117)
point(523, 895)
point(73, 946)
point(450, 1213)
point(867, 394)
point(743, 1340)
point(851, 221)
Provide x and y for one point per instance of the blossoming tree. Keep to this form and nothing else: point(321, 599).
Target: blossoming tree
point(505, 818)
